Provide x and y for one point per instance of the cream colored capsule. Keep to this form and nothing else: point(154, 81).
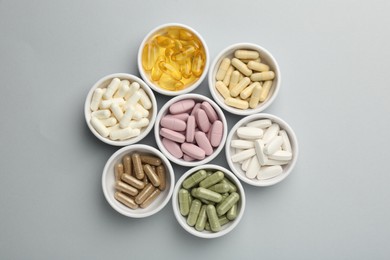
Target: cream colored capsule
point(234, 79)
point(123, 89)
point(105, 104)
point(246, 61)
point(247, 92)
point(223, 69)
point(96, 98)
point(123, 134)
point(144, 99)
point(234, 92)
point(112, 88)
point(117, 111)
point(257, 66)
point(246, 54)
point(139, 123)
point(126, 118)
point(254, 100)
point(262, 76)
point(241, 67)
point(101, 114)
point(111, 121)
point(134, 87)
point(222, 89)
point(265, 90)
point(99, 127)
point(237, 103)
point(228, 75)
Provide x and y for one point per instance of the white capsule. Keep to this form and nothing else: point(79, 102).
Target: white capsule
point(142, 110)
point(241, 67)
point(134, 87)
point(241, 156)
point(101, 114)
point(275, 162)
point(128, 115)
point(262, 123)
point(274, 145)
point(268, 172)
point(242, 144)
point(259, 147)
point(253, 169)
point(249, 133)
point(123, 134)
point(123, 89)
point(145, 100)
point(286, 146)
point(105, 104)
point(143, 122)
point(112, 88)
point(111, 121)
point(281, 155)
point(271, 132)
point(131, 101)
point(113, 128)
point(117, 111)
point(96, 98)
point(245, 164)
point(99, 127)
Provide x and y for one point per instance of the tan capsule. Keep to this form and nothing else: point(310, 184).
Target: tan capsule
point(151, 198)
point(234, 92)
point(257, 66)
point(222, 89)
point(223, 69)
point(248, 60)
point(241, 67)
point(118, 171)
point(141, 197)
point(160, 170)
point(127, 165)
point(228, 75)
point(237, 103)
point(265, 90)
point(234, 79)
point(263, 76)
point(145, 180)
point(246, 54)
point(247, 92)
point(124, 187)
point(133, 181)
point(152, 176)
point(127, 201)
point(152, 160)
point(254, 100)
point(138, 169)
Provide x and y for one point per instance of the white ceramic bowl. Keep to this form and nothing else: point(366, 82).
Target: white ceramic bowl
point(103, 83)
point(225, 228)
point(108, 182)
point(164, 110)
point(236, 167)
point(266, 57)
point(153, 85)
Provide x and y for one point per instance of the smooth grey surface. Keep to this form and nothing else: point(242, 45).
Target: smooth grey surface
point(334, 57)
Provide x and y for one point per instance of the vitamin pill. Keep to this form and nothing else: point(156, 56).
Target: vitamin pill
point(253, 168)
point(286, 146)
point(273, 145)
point(232, 187)
point(112, 88)
point(149, 159)
point(123, 187)
point(235, 78)
point(162, 176)
point(213, 218)
point(223, 220)
point(227, 203)
point(117, 111)
point(134, 87)
point(268, 172)
point(203, 142)
point(151, 198)
point(247, 92)
point(138, 169)
point(202, 218)
point(123, 134)
point(207, 194)
point(210, 112)
point(127, 201)
point(118, 171)
point(257, 66)
point(228, 75)
point(246, 54)
point(232, 212)
point(139, 123)
point(216, 133)
point(99, 127)
point(194, 212)
point(223, 68)
point(261, 156)
point(243, 155)
point(184, 205)
point(281, 155)
point(237, 103)
point(222, 89)
point(172, 147)
point(241, 85)
point(182, 106)
point(145, 192)
point(136, 183)
point(220, 188)
point(212, 179)
point(123, 88)
point(263, 76)
point(182, 116)
point(172, 135)
point(152, 176)
point(194, 179)
point(265, 90)
point(111, 121)
point(101, 114)
point(190, 131)
point(96, 99)
point(240, 66)
point(149, 55)
point(270, 133)
point(242, 144)
point(127, 165)
point(202, 121)
point(245, 164)
point(255, 97)
point(193, 151)
point(249, 133)
point(262, 123)
point(198, 64)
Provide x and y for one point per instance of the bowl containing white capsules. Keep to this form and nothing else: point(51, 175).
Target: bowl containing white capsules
point(120, 109)
point(244, 79)
point(261, 149)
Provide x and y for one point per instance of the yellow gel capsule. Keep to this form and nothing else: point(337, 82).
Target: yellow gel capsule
point(170, 70)
point(185, 68)
point(173, 33)
point(149, 55)
point(186, 53)
point(164, 41)
point(156, 71)
point(185, 35)
point(178, 46)
point(169, 83)
point(198, 64)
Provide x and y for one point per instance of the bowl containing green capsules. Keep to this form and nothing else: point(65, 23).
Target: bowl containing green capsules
point(208, 201)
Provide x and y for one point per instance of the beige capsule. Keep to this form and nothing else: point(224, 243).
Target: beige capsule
point(234, 79)
point(255, 97)
point(138, 169)
point(152, 176)
point(237, 103)
point(133, 181)
point(127, 164)
point(124, 187)
point(263, 76)
point(222, 89)
point(146, 192)
point(160, 170)
point(118, 171)
point(241, 67)
point(223, 68)
point(247, 92)
point(248, 60)
point(149, 159)
point(246, 54)
point(234, 92)
point(127, 201)
point(228, 75)
point(257, 66)
point(151, 198)
point(265, 90)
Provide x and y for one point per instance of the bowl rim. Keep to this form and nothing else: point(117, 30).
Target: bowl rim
point(179, 217)
point(162, 112)
point(130, 212)
point(294, 146)
point(219, 99)
point(145, 76)
point(144, 133)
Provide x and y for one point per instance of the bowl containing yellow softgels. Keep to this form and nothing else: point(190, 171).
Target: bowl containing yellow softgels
point(173, 59)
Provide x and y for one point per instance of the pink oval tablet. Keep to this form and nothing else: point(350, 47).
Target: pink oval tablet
point(195, 109)
point(190, 131)
point(188, 158)
point(173, 123)
point(172, 135)
point(216, 133)
point(193, 151)
point(203, 142)
point(202, 120)
point(182, 116)
point(182, 106)
point(172, 147)
point(210, 112)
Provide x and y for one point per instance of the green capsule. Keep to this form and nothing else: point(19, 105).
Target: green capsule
point(194, 179)
point(207, 202)
point(202, 218)
point(194, 193)
point(212, 179)
point(220, 188)
point(232, 212)
point(207, 226)
point(213, 218)
point(233, 187)
point(223, 220)
point(209, 173)
point(190, 198)
point(183, 202)
point(224, 196)
point(194, 212)
point(227, 203)
point(207, 194)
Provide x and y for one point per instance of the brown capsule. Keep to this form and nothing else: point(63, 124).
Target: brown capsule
point(127, 164)
point(151, 198)
point(152, 160)
point(133, 181)
point(141, 197)
point(138, 169)
point(124, 187)
point(146, 180)
point(122, 198)
point(162, 176)
point(151, 175)
point(118, 171)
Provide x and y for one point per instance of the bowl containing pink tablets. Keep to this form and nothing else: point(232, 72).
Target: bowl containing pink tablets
point(261, 149)
point(190, 130)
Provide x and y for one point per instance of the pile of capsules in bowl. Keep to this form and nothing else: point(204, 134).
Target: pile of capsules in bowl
point(191, 130)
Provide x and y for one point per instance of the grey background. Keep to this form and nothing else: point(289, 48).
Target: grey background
point(334, 57)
